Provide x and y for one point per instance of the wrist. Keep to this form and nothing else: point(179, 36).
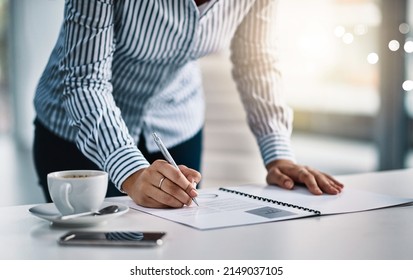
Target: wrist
point(131, 181)
point(278, 162)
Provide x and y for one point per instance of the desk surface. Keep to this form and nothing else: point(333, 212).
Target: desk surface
point(379, 234)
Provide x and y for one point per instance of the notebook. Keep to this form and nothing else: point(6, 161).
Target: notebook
point(253, 204)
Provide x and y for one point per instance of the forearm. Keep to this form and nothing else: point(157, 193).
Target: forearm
point(257, 74)
point(102, 134)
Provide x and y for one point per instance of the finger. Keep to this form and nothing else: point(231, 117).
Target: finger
point(306, 177)
point(276, 177)
point(334, 181)
point(190, 174)
point(325, 182)
point(326, 185)
point(173, 174)
point(164, 200)
point(174, 192)
point(153, 197)
point(148, 201)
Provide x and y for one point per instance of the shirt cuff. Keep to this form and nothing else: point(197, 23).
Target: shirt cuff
point(273, 147)
point(123, 163)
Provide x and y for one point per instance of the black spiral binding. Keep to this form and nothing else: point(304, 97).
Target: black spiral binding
point(272, 201)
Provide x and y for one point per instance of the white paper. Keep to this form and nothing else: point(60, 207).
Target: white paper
point(218, 208)
point(349, 200)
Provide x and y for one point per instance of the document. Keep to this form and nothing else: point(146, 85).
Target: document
point(253, 204)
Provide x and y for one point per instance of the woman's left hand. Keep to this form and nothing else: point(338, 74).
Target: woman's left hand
point(285, 173)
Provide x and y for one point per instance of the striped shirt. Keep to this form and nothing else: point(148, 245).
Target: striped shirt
point(124, 68)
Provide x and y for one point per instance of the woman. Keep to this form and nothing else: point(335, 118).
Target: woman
point(121, 70)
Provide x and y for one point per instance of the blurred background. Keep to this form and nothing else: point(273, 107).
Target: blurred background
point(347, 67)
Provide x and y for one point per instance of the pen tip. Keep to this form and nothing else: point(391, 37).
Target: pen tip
point(194, 200)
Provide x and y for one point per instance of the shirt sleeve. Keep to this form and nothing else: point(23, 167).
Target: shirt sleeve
point(258, 79)
point(87, 95)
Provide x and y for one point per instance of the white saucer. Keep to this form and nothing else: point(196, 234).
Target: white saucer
point(50, 213)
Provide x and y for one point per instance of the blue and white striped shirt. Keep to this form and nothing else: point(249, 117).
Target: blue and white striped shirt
point(122, 68)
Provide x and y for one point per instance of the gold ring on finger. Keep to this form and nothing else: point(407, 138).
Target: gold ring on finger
point(160, 182)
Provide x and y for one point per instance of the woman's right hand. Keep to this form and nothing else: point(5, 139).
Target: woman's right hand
point(161, 185)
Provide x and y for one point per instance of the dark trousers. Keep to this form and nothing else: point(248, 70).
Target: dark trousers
point(52, 153)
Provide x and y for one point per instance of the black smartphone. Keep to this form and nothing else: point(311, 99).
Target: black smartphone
point(112, 238)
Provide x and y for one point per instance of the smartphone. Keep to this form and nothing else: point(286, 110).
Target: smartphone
point(112, 238)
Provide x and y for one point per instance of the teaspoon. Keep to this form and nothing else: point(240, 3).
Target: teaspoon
point(104, 211)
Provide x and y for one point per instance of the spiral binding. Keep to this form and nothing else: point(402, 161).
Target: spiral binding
point(272, 201)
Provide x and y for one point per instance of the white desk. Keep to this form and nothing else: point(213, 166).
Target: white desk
point(379, 234)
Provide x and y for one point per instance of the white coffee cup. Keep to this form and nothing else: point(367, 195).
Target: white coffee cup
point(77, 191)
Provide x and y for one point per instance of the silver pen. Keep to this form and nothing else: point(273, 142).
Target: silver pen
point(167, 155)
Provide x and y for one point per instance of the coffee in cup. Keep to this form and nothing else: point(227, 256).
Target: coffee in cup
point(77, 191)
